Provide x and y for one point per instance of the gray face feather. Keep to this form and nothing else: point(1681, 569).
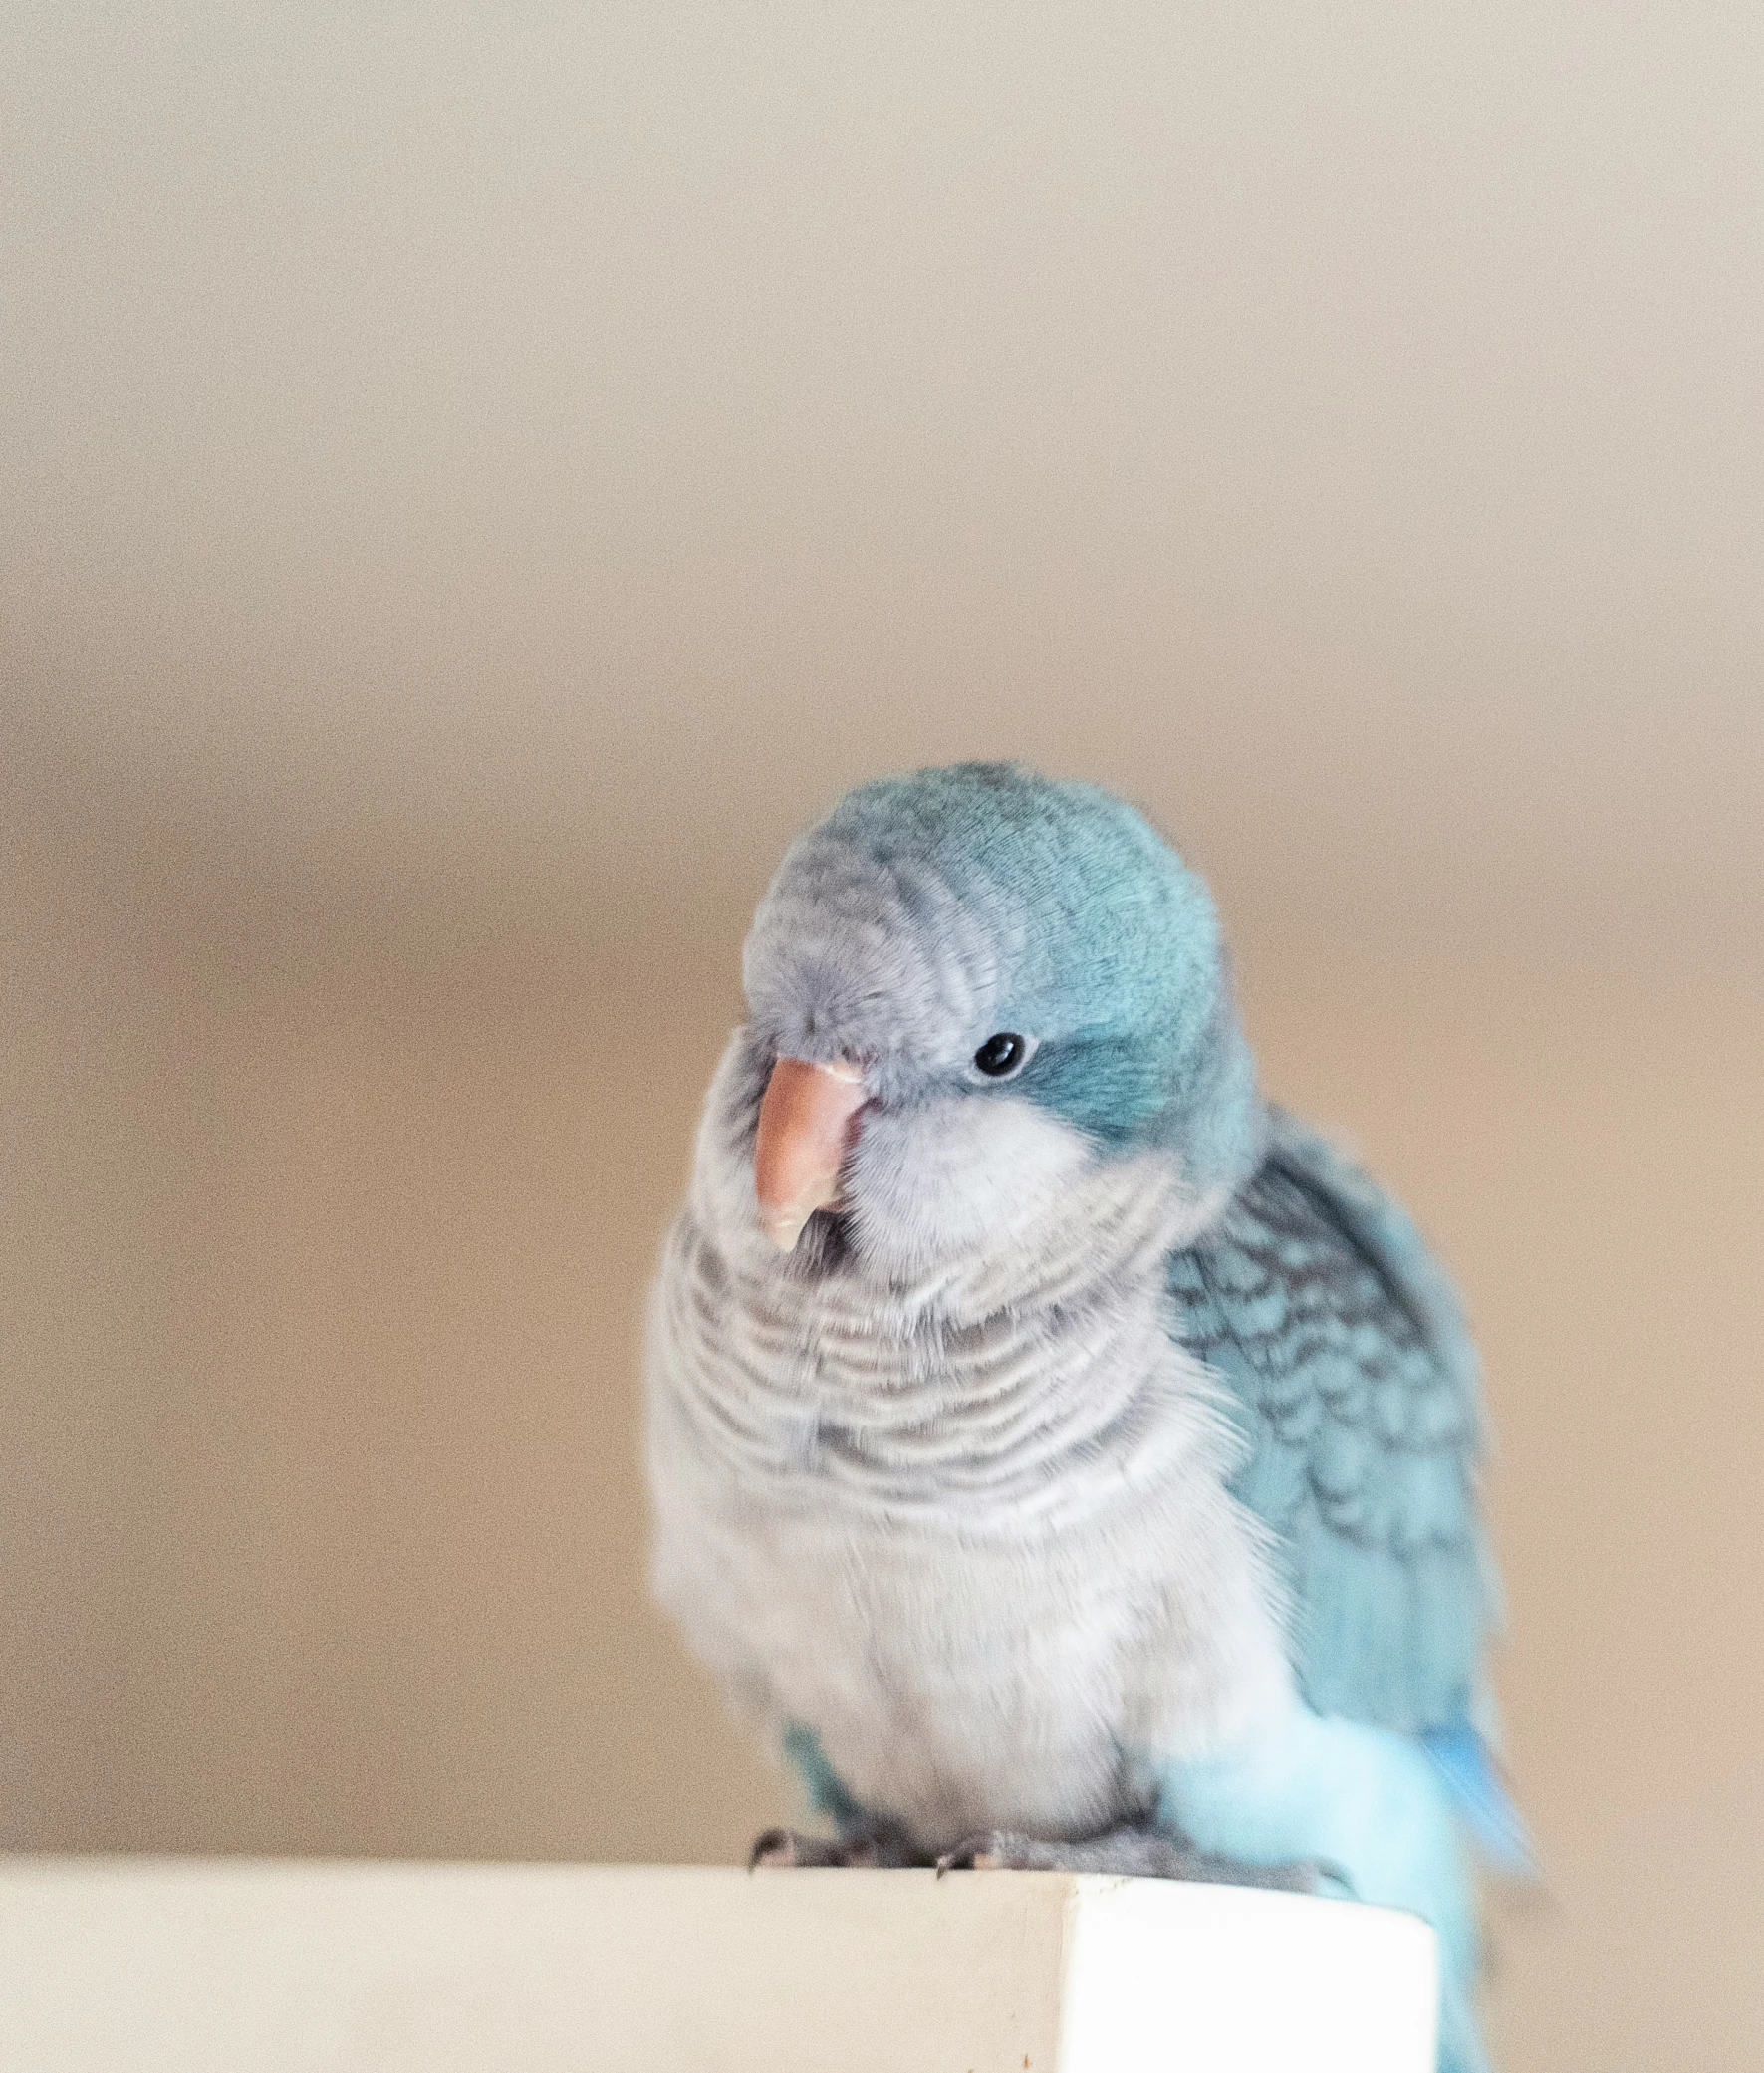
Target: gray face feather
point(854, 957)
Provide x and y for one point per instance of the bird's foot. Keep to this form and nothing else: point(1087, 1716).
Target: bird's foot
point(874, 1849)
point(1133, 1853)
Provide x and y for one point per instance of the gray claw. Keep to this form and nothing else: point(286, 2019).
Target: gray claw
point(879, 1847)
point(1130, 1852)
point(784, 1849)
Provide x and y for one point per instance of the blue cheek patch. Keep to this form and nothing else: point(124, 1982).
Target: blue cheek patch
point(1105, 1086)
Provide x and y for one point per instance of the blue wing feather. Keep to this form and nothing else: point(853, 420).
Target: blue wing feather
point(1351, 1374)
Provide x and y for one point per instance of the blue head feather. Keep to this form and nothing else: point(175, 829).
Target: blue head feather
point(928, 911)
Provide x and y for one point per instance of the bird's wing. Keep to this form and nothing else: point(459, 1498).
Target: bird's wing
point(1351, 1371)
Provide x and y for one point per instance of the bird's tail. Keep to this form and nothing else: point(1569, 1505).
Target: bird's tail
point(1482, 1801)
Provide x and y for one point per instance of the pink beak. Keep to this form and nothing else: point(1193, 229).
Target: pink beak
point(808, 1122)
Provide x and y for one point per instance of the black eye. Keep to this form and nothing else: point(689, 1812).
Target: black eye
point(1000, 1054)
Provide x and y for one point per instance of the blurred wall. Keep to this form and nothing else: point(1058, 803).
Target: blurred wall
point(472, 481)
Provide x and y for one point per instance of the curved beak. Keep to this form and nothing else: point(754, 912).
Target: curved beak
point(807, 1121)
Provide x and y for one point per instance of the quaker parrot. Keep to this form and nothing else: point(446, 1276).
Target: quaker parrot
point(1063, 1455)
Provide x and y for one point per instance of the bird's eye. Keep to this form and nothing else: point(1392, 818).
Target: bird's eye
point(1001, 1055)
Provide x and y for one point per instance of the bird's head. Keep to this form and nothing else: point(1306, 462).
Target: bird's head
point(965, 988)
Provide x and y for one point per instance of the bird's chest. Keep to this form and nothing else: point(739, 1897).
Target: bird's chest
point(957, 1681)
point(990, 1576)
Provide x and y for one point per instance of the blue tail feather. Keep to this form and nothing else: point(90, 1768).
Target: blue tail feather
point(1480, 1799)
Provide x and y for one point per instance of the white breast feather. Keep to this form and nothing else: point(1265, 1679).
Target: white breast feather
point(956, 1501)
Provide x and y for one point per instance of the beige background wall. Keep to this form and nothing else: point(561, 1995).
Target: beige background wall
point(472, 481)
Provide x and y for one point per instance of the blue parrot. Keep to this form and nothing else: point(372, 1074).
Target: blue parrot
point(1064, 1456)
